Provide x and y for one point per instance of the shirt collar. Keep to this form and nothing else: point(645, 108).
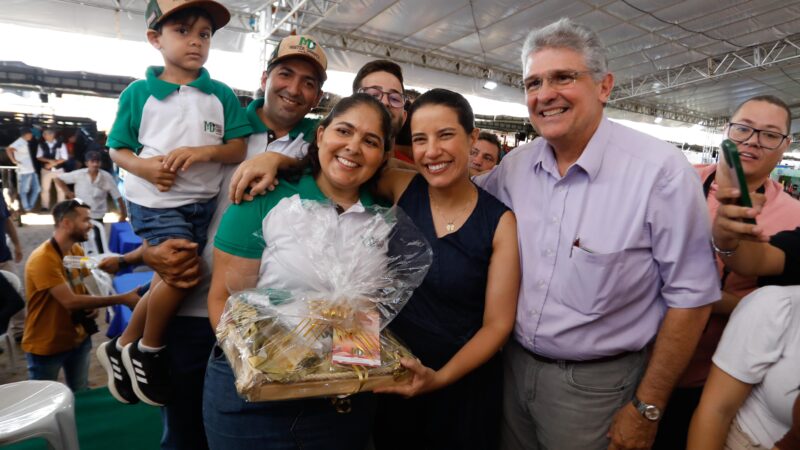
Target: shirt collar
point(306, 126)
point(160, 89)
point(592, 157)
point(590, 160)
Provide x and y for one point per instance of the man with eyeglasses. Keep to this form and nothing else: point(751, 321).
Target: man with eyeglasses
point(614, 244)
point(760, 129)
point(61, 314)
point(383, 79)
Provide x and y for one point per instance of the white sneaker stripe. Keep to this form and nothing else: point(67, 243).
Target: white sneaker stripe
point(141, 379)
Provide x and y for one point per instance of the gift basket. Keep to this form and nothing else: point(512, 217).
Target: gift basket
point(313, 323)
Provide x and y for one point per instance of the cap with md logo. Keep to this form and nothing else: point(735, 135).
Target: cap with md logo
point(159, 10)
point(301, 46)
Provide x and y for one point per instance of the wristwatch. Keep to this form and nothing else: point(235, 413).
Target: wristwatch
point(649, 412)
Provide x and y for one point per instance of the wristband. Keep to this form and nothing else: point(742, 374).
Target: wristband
point(722, 252)
point(121, 262)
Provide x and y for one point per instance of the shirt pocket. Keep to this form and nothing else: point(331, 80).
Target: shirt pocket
point(602, 282)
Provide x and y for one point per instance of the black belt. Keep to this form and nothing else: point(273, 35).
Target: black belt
point(547, 360)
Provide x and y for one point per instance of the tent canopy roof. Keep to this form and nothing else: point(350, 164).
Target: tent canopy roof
point(687, 60)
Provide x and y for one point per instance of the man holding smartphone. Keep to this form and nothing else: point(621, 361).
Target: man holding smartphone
point(760, 129)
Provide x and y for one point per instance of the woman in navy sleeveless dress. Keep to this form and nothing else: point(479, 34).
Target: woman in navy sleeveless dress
point(463, 312)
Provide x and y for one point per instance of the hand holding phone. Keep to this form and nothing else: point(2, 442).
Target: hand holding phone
point(731, 154)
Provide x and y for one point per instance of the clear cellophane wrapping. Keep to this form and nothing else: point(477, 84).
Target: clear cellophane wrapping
point(98, 282)
point(320, 330)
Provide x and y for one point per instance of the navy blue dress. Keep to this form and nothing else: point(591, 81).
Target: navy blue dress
point(442, 315)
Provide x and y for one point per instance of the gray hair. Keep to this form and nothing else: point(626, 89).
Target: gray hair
point(570, 35)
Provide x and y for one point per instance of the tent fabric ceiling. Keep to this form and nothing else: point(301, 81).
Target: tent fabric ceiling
point(644, 37)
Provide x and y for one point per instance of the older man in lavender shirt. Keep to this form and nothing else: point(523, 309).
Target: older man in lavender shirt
point(614, 238)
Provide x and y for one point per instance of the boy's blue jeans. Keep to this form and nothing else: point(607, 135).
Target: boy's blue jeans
point(156, 225)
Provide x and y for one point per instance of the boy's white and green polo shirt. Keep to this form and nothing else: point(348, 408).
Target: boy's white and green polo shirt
point(269, 222)
point(155, 117)
point(294, 144)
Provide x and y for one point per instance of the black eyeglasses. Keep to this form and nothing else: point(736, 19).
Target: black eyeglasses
point(770, 140)
point(396, 99)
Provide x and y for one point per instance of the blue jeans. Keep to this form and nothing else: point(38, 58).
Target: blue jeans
point(75, 363)
point(189, 340)
point(156, 225)
point(28, 190)
point(309, 424)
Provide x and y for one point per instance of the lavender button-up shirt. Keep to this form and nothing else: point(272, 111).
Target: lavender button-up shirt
point(608, 247)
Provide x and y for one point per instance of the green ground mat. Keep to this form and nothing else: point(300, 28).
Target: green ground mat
point(104, 423)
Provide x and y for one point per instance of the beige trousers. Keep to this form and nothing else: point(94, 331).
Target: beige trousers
point(48, 180)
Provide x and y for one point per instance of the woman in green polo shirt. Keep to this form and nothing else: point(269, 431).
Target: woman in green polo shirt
point(351, 145)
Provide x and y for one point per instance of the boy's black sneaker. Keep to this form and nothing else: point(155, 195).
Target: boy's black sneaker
point(119, 383)
point(149, 373)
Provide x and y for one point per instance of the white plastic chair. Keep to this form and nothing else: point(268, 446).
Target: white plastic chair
point(46, 409)
point(90, 246)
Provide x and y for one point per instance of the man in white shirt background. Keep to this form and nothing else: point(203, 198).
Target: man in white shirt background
point(93, 186)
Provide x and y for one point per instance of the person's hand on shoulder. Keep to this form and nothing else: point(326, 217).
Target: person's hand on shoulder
point(255, 176)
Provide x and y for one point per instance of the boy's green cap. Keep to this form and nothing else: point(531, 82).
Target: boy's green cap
point(158, 10)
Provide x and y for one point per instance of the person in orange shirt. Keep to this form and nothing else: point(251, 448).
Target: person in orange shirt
point(60, 316)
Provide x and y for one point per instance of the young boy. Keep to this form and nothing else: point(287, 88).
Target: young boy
point(172, 133)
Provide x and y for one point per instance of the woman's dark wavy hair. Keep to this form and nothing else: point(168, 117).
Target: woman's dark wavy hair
point(452, 100)
point(311, 159)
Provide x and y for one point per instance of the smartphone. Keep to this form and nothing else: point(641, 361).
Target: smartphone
point(734, 163)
